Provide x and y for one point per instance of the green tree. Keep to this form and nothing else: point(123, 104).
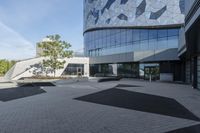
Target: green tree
point(5, 65)
point(55, 50)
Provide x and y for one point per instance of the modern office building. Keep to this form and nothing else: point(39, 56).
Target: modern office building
point(189, 48)
point(134, 38)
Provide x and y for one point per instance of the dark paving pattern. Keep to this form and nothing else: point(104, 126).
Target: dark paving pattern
point(114, 78)
point(37, 84)
point(192, 129)
point(126, 85)
point(19, 92)
point(140, 102)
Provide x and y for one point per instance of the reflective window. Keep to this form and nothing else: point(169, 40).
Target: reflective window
point(136, 35)
point(144, 45)
point(153, 34)
point(173, 32)
point(144, 34)
point(162, 43)
point(162, 33)
point(129, 36)
point(123, 36)
point(115, 41)
point(173, 42)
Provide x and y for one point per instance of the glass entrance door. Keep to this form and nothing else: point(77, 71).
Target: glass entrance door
point(79, 71)
point(151, 72)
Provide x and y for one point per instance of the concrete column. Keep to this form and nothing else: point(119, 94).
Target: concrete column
point(86, 69)
point(114, 66)
point(99, 68)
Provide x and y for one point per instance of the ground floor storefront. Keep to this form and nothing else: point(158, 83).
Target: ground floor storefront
point(164, 71)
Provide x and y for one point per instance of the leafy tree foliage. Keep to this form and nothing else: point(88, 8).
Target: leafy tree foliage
point(55, 50)
point(5, 65)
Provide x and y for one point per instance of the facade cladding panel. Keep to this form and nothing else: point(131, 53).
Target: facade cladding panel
point(116, 27)
point(132, 13)
point(111, 26)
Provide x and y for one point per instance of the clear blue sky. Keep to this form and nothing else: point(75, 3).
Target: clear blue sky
point(25, 22)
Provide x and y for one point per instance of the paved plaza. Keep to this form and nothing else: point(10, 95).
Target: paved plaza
point(60, 110)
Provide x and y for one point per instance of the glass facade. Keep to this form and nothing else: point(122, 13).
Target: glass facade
point(115, 41)
point(128, 70)
point(150, 70)
point(74, 69)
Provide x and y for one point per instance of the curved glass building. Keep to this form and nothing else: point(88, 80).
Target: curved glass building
point(133, 38)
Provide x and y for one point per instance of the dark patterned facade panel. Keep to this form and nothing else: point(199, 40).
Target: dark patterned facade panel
point(141, 8)
point(156, 15)
point(182, 6)
point(107, 6)
point(123, 2)
point(110, 13)
point(123, 17)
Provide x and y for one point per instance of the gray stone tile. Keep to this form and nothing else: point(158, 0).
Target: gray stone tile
point(57, 112)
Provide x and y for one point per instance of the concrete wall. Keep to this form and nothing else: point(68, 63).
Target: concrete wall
point(166, 77)
point(28, 68)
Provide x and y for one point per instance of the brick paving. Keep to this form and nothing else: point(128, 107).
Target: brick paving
point(58, 112)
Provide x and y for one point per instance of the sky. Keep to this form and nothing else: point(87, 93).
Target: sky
point(23, 23)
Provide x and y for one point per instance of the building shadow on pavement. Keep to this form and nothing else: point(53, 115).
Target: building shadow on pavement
point(140, 102)
point(19, 92)
point(191, 129)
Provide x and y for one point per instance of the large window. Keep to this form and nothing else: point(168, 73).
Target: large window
point(74, 69)
point(115, 41)
point(129, 70)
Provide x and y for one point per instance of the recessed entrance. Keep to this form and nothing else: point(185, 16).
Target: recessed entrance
point(150, 71)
